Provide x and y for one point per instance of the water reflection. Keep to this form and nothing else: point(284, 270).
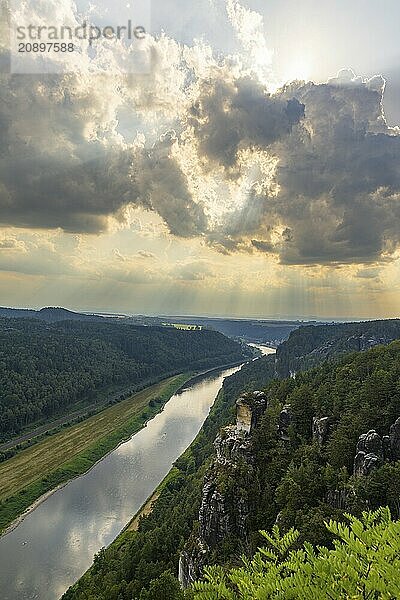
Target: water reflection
point(265, 350)
point(56, 543)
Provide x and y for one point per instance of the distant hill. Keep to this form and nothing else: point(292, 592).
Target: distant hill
point(251, 330)
point(47, 367)
point(260, 331)
point(49, 314)
point(308, 346)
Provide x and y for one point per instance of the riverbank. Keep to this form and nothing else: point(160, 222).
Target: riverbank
point(110, 396)
point(35, 473)
point(28, 479)
point(56, 543)
point(169, 520)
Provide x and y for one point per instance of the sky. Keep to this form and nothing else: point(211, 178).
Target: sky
point(252, 169)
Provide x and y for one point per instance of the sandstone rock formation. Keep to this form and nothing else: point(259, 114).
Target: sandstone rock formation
point(394, 440)
point(285, 420)
point(320, 429)
point(249, 409)
point(369, 453)
point(225, 504)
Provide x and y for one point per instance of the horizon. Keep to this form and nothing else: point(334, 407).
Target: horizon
point(282, 318)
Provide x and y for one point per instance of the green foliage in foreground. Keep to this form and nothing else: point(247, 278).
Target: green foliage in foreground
point(363, 564)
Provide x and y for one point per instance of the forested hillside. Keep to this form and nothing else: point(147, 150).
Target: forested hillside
point(308, 346)
point(310, 477)
point(49, 314)
point(251, 330)
point(327, 444)
point(47, 368)
point(297, 468)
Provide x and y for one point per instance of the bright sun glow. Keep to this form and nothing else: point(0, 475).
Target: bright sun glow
point(300, 68)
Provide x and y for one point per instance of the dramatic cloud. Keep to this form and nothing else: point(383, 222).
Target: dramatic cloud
point(232, 115)
point(71, 155)
point(308, 173)
point(339, 177)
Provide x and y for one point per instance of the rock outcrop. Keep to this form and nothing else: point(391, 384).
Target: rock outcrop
point(285, 420)
point(249, 409)
point(320, 429)
point(372, 450)
point(225, 503)
point(394, 440)
point(191, 562)
point(369, 453)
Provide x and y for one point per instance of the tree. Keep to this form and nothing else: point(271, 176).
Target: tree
point(364, 563)
point(165, 587)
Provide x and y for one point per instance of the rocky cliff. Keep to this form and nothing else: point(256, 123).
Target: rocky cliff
point(372, 450)
point(225, 502)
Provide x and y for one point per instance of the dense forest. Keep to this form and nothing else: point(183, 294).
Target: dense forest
point(296, 480)
point(307, 478)
point(45, 369)
point(306, 482)
point(308, 346)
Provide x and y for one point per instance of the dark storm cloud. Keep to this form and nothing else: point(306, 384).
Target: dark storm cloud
point(338, 173)
point(232, 115)
point(161, 186)
point(44, 192)
point(340, 176)
point(337, 200)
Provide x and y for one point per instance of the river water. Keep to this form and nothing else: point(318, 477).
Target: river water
point(265, 350)
point(55, 544)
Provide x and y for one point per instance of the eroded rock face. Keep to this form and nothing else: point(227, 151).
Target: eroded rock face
point(225, 504)
point(285, 420)
point(371, 462)
point(361, 443)
point(394, 440)
point(243, 416)
point(373, 443)
point(249, 409)
point(369, 453)
point(370, 442)
point(222, 515)
point(320, 429)
point(191, 563)
point(372, 449)
point(231, 445)
point(364, 463)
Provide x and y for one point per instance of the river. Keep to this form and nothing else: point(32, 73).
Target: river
point(55, 544)
point(265, 350)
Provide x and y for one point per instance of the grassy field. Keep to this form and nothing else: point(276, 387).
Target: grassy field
point(183, 326)
point(40, 468)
